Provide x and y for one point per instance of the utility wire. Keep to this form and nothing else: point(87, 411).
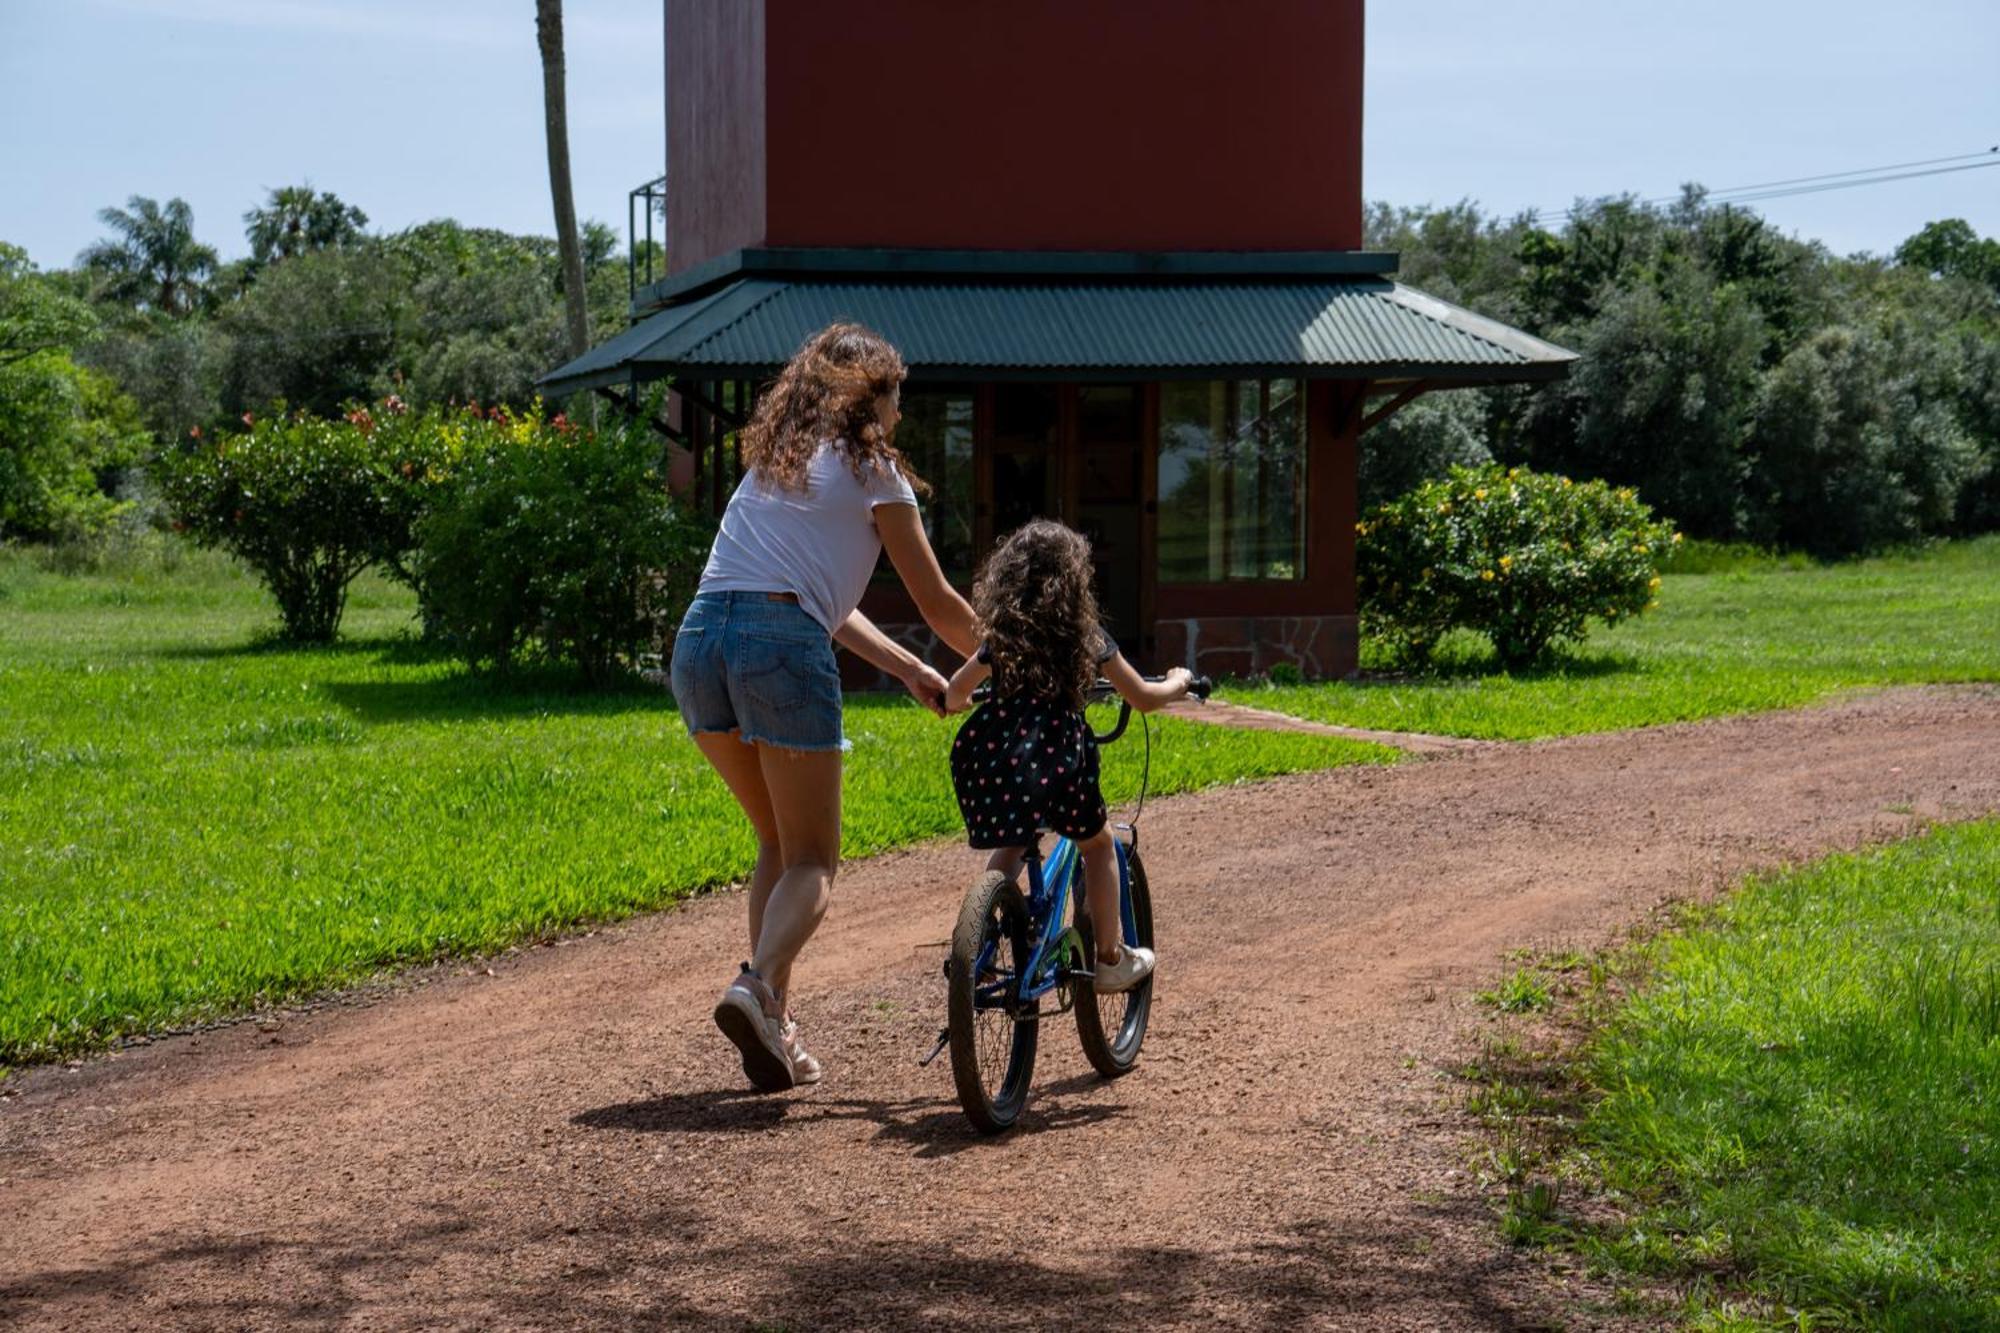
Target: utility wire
point(1832, 180)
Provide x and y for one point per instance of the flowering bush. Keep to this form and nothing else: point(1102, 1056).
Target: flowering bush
point(300, 500)
point(555, 542)
point(1527, 559)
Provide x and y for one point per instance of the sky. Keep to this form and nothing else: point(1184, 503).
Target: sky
point(417, 109)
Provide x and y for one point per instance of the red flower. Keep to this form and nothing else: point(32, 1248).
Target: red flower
point(194, 432)
point(394, 404)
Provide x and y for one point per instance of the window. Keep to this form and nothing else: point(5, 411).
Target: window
point(1232, 481)
point(936, 436)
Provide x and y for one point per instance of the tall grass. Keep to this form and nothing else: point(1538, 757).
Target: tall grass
point(1805, 1097)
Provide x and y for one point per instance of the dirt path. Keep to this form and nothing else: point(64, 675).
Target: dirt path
point(566, 1142)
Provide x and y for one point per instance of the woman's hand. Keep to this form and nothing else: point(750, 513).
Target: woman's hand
point(926, 686)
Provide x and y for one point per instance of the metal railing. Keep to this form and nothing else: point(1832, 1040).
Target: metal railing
point(645, 252)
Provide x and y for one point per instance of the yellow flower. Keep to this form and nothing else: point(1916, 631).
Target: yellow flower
point(1653, 582)
point(1512, 473)
point(1567, 483)
point(1361, 529)
point(1486, 576)
point(1444, 507)
point(1506, 562)
point(1479, 494)
point(1677, 539)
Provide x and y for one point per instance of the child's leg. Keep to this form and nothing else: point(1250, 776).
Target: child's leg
point(1008, 861)
point(1100, 888)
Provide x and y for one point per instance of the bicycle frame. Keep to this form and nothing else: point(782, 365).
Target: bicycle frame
point(1056, 955)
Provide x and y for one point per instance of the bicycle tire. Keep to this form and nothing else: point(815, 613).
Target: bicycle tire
point(992, 1050)
point(1112, 1028)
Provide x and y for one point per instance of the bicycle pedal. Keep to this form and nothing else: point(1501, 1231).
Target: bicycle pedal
point(944, 1036)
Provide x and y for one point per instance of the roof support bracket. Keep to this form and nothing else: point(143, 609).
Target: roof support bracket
point(731, 420)
point(632, 409)
point(1410, 392)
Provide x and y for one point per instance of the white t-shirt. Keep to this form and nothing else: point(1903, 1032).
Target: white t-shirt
point(819, 543)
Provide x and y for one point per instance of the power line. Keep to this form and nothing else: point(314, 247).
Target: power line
point(1800, 185)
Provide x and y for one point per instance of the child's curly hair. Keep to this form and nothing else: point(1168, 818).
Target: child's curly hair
point(828, 391)
point(1038, 613)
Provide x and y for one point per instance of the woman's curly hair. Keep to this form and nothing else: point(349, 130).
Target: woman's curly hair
point(828, 391)
point(1038, 613)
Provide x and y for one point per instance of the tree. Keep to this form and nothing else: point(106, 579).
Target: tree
point(1661, 399)
point(35, 315)
point(297, 219)
point(154, 263)
point(314, 332)
point(1854, 450)
point(1952, 249)
point(65, 432)
point(549, 34)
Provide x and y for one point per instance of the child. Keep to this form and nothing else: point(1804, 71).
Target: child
point(1027, 760)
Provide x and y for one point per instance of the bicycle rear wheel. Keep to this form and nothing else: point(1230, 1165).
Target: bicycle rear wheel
point(1113, 1027)
point(993, 1035)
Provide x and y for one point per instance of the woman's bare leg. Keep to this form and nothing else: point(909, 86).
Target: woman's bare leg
point(804, 787)
point(1100, 891)
point(744, 776)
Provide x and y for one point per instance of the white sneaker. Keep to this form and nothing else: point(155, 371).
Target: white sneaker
point(1134, 965)
point(805, 1069)
point(741, 1015)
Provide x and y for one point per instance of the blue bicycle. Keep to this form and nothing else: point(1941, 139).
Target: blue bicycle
point(1011, 950)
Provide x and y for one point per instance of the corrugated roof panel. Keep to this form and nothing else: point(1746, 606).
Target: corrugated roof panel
point(1367, 327)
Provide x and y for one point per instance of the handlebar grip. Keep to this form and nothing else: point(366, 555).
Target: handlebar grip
point(1201, 687)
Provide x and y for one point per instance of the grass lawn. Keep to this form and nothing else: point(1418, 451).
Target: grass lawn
point(1765, 634)
point(192, 822)
point(1803, 1098)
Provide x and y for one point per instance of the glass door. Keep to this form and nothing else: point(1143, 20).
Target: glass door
point(1077, 453)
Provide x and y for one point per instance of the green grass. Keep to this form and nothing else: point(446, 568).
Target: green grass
point(1805, 1096)
point(1757, 634)
point(193, 821)
point(1784, 1112)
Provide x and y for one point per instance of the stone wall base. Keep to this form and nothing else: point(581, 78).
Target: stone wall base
point(1321, 647)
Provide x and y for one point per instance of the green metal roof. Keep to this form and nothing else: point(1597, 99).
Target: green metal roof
point(1358, 328)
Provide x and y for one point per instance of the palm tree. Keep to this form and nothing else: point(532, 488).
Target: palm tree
point(549, 33)
point(297, 218)
point(154, 261)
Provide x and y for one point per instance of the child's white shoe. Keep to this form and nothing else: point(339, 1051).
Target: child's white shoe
point(1134, 965)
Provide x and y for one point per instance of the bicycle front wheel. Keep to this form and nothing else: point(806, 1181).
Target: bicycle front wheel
point(993, 1034)
point(1113, 1027)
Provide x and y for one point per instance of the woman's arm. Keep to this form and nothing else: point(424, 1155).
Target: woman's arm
point(859, 635)
point(1146, 695)
point(948, 615)
point(963, 682)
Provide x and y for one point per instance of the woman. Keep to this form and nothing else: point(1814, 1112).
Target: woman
point(824, 493)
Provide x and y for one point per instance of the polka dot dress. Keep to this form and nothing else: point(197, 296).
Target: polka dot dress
point(1021, 765)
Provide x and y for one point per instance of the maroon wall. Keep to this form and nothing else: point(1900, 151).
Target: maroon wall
point(715, 128)
point(1014, 124)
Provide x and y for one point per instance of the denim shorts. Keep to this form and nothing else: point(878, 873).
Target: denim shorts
point(750, 662)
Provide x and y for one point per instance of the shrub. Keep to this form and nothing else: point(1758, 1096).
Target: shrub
point(1527, 559)
point(303, 501)
point(556, 543)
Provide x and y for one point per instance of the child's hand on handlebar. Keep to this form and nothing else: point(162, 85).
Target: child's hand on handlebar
point(1181, 679)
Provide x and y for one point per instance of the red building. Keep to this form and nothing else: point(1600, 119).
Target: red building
point(1119, 248)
